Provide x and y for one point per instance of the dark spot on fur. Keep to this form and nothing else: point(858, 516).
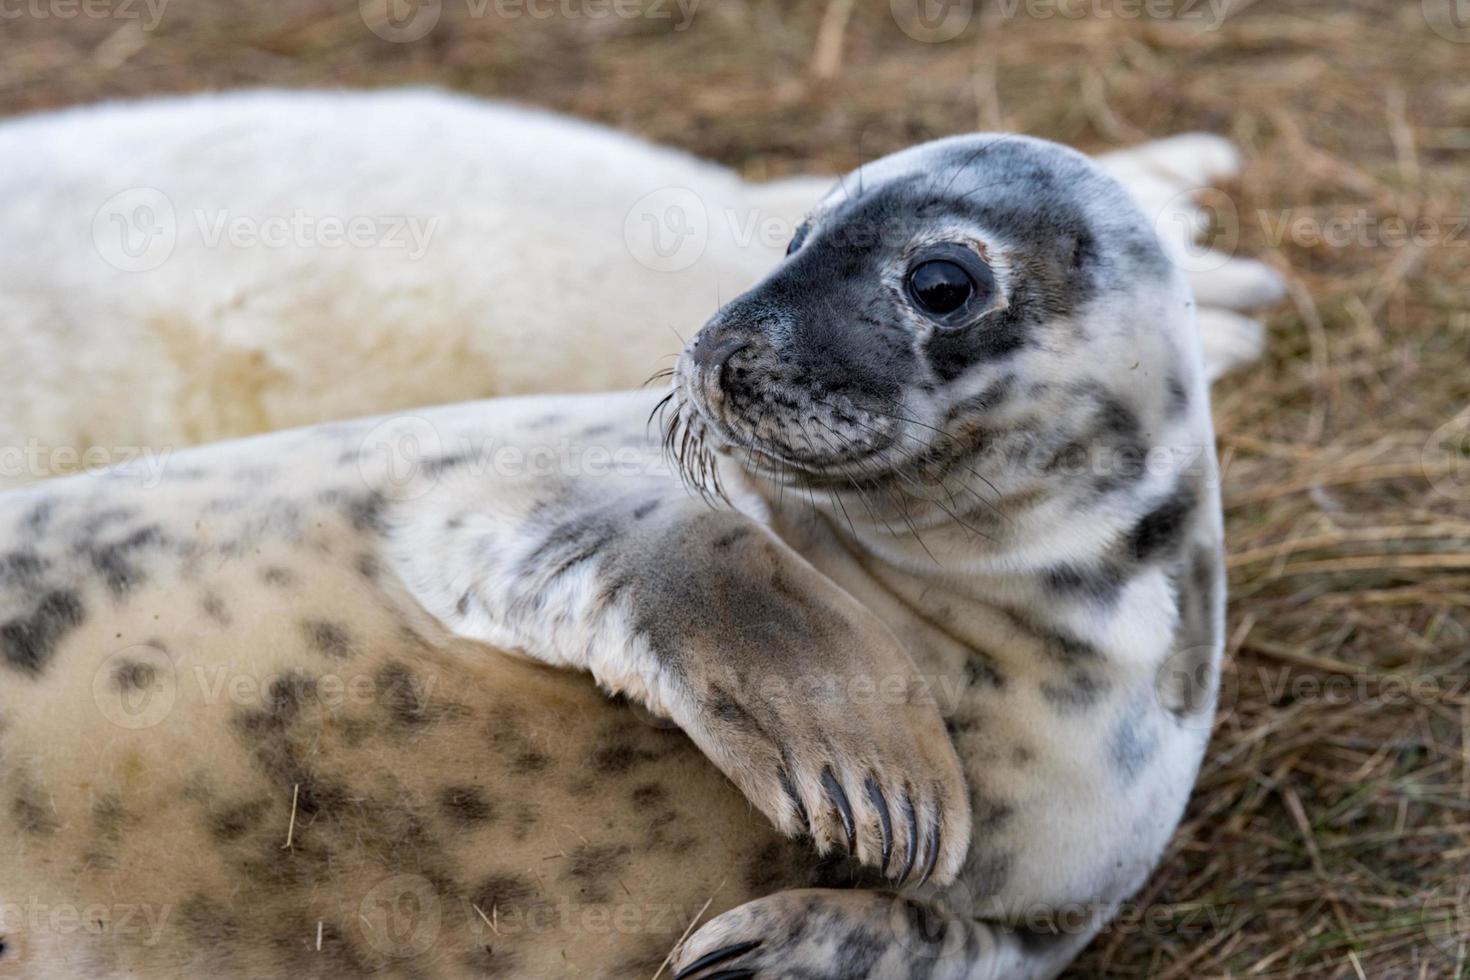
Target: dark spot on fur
point(133, 675)
point(981, 671)
point(618, 759)
point(207, 923)
point(593, 867)
point(1178, 397)
point(278, 576)
point(646, 508)
point(22, 569)
point(1078, 690)
point(1160, 530)
point(648, 794)
point(988, 871)
point(529, 762)
point(405, 697)
point(214, 607)
point(465, 805)
point(32, 813)
point(1100, 583)
point(365, 511)
point(441, 464)
point(28, 642)
point(1132, 746)
point(570, 543)
point(505, 892)
point(38, 518)
point(368, 566)
point(328, 638)
point(115, 561)
point(235, 821)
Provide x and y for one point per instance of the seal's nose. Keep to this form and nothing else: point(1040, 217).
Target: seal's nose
point(712, 349)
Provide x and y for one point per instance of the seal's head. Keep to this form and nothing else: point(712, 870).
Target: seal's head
point(972, 295)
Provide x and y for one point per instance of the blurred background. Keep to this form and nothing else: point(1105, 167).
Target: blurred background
point(1330, 832)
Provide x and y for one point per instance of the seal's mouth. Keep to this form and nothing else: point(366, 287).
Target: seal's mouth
point(773, 429)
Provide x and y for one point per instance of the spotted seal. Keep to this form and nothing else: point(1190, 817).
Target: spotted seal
point(946, 599)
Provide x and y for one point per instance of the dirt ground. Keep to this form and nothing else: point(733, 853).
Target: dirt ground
point(1330, 832)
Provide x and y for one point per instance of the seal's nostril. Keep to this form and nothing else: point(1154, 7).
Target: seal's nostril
point(711, 353)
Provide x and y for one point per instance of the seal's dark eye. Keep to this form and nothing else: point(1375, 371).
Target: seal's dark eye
point(940, 286)
point(799, 237)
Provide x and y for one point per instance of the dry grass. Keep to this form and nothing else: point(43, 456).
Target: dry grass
point(1330, 832)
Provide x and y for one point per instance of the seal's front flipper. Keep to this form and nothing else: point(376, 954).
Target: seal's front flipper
point(823, 934)
point(705, 617)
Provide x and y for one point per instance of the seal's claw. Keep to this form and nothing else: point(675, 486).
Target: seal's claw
point(885, 819)
point(718, 956)
point(912, 851)
point(844, 808)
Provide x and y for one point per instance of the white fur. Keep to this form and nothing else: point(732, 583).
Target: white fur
point(499, 262)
